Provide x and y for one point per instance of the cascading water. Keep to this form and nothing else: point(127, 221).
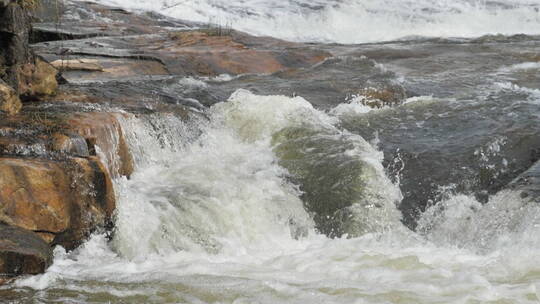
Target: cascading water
point(226, 190)
point(356, 21)
point(219, 211)
point(269, 199)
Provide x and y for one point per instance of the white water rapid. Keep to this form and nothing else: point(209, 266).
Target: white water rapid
point(355, 21)
point(210, 216)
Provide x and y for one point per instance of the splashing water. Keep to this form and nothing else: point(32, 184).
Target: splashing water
point(212, 216)
point(356, 21)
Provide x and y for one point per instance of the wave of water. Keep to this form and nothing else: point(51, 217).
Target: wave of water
point(356, 21)
point(211, 216)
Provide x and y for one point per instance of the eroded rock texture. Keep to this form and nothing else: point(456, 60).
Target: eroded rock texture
point(22, 252)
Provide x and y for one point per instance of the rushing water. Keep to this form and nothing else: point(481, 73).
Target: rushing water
point(266, 198)
point(356, 21)
point(212, 216)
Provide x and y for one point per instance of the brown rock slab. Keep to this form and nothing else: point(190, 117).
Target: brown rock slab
point(91, 65)
point(104, 68)
point(22, 252)
point(68, 199)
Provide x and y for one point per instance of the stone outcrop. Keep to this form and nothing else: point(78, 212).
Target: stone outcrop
point(64, 201)
point(22, 252)
point(113, 54)
point(104, 131)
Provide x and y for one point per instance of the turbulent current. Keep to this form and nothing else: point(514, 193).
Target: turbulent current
point(288, 188)
point(220, 210)
point(356, 21)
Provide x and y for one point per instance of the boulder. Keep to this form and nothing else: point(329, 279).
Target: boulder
point(9, 100)
point(37, 79)
point(64, 200)
point(104, 131)
point(22, 252)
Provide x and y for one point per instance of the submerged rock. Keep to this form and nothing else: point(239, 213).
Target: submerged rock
point(22, 252)
point(344, 191)
point(104, 131)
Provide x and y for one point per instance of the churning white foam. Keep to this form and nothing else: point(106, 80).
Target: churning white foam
point(208, 217)
point(356, 21)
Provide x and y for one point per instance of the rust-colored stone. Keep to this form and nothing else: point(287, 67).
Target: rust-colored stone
point(68, 199)
point(33, 195)
point(103, 130)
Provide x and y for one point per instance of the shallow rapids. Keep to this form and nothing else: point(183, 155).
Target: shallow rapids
point(219, 211)
point(355, 21)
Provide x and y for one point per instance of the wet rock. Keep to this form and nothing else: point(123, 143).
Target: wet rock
point(378, 98)
point(73, 145)
point(14, 28)
point(68, 199)
point(187, 53)
point(102, 131)
point(9, 100)
point(37, 80)
point(22, 252)
point(208, 54)
point(86, 69)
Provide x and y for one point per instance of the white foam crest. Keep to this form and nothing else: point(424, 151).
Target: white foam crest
point(355, 106)
point(257, 117)
point(357, 21)
point(154, 139)
point(526, 66)
point(505, 223)
point(216, 194)
point(533, 95)
point(370, 269)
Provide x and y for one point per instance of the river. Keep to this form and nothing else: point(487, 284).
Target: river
point(284, 191)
